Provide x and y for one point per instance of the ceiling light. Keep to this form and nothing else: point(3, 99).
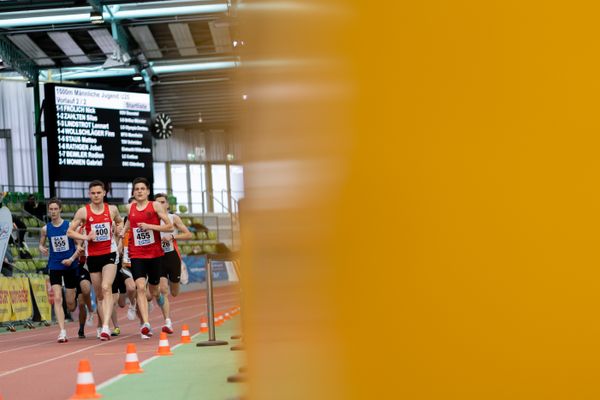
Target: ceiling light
point(96, 17)
point(235, 43)
point(137, 78)
point(244, 97)
point(199, 117)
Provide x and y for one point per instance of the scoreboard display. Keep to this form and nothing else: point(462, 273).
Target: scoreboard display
point(97, 134)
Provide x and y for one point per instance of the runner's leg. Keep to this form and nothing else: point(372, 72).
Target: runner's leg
point(108, 276)
point(58, 307)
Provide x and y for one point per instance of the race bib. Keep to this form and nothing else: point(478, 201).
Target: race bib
point(59, 243)
point(168, 246)
point(142, 237)
point(102, 231)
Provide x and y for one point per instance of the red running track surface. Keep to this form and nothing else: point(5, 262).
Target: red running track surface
point(34, 366)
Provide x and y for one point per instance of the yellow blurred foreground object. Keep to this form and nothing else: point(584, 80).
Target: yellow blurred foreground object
point(429, 168)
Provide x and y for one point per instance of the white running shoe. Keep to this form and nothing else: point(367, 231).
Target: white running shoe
point(62, 337)
point(105, 334)
point(146, 330)
point(131, 313)
point(98, 332)
point(168, 326)
point(145, 337)
point(89, 321)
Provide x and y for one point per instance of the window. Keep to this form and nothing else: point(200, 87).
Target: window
point(219, 186)
point(198, 188)
point(179, 180)
point(160, 177)
point(236, 179)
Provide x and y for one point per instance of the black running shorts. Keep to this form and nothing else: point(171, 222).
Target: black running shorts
point(96, 263)
point(171, 266)
point(148, 268)
point(69, 275)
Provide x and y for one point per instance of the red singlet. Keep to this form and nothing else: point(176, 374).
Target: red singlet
point(102, 225)
point(142, 243)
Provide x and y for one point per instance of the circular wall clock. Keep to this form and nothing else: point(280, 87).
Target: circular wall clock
point(163, 126)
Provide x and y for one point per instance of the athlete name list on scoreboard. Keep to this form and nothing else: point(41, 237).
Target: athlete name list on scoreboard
point(101, 128)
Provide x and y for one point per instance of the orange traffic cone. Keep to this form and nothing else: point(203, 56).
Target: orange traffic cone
point(203, 325)
point(185, 334)
point(86, 389)
point(163, 346)
point(132, 363)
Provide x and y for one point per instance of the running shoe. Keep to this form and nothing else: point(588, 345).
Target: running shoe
point(62, 337)
point(145, 337)
point(116, 332)
point(131, 313)
point(105, 334)
point(168, 326)
point(98, 332)
point(80, 333)
point(89, 321)
point(160, 300)
point(146, 329)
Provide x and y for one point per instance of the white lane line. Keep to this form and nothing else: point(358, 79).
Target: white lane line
point(13, 371)
point(28, 334)
point(156, 318)
point(26, 347)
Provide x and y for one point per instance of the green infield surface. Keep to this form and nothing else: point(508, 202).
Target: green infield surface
point(190, 373)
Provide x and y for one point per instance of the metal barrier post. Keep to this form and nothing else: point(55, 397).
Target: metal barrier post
point(211, 310)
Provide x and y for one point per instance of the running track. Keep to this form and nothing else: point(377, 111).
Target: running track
point(34, 366)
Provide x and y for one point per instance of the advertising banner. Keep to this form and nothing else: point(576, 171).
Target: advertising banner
point(231, 272)
point(40, 293)
point(20, 300)
point(219, 270)
point(196, 266)
point(5, 307)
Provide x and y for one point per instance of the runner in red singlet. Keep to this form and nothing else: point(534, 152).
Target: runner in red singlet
point(101, 223)
point(145, 250)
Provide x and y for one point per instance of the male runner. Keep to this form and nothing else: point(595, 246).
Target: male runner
point(145, 250)
point(101, 222)
point(171, 260)
point(62, 263)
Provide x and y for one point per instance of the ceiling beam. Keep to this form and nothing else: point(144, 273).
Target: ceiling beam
point(74, 15)
point(18, 61)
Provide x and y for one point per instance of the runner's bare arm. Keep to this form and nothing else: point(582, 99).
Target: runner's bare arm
point(184, 232)
point(116, 216)
point(125, 229)
point(78, 220)
point(42, 245)
point(162, 214)
point(70, 260)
